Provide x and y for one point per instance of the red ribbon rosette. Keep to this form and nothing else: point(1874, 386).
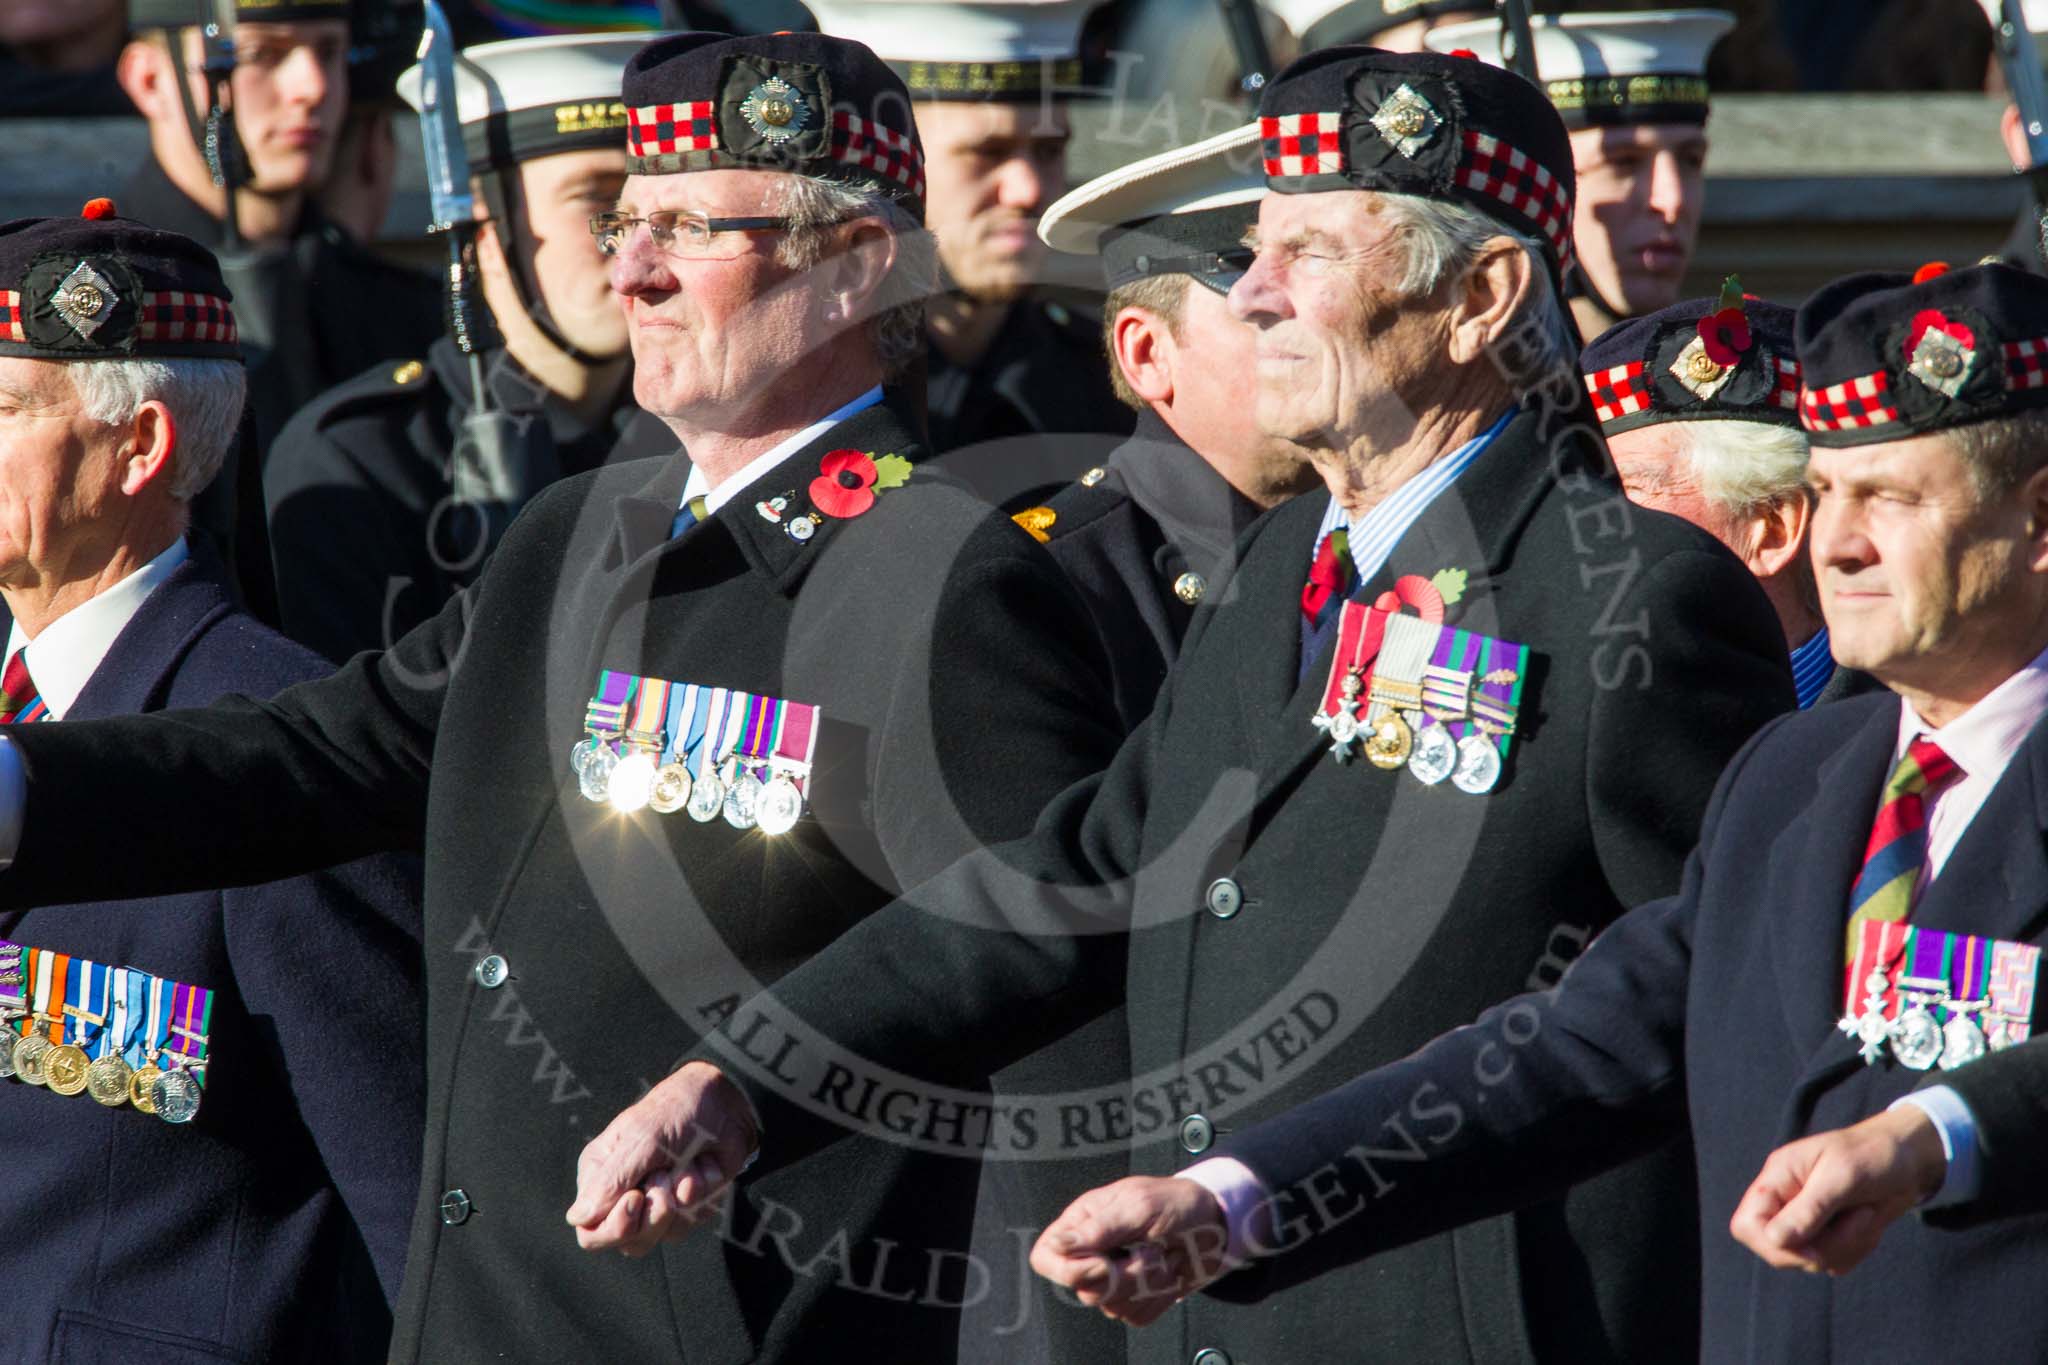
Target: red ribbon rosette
point(845, 486)
point(1931, 320)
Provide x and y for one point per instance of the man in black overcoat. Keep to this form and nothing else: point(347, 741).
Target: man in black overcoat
point(871, 674)
point(272, 1223)
point(1295, 918)
point(1866, 907)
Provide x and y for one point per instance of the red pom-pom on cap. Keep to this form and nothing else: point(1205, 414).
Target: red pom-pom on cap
point(1932, 270)
point(1465, 52)
point(96, 209)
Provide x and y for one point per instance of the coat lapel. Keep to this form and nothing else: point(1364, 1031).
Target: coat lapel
point(136, 673)
point(1995, 882)
point(1824, 845)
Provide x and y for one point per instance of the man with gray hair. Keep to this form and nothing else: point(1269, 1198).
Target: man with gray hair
point(262, 1214)
point(1699, 403)
point(700, 716)
point(1492, 647)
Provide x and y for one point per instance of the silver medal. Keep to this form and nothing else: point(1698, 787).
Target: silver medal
point(1435, 755)
point(1916, 1038)
point(596, 778)
point(743, 802)
point(579, 757)
point(707, 798)
point(1478, 765)
point(631, 784)
point(7, 1042)
point(780, 806)
point(1343, 727)
point(176, 1096)
point(671, 789)
point(1962, 1042)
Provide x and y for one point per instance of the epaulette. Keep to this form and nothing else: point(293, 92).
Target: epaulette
point(374, 388)
point(1089, 498)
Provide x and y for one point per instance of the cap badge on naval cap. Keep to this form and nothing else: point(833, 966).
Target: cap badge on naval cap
point(85, 300)
point(775, 110)
point(1407, 121)
point(1940, 352)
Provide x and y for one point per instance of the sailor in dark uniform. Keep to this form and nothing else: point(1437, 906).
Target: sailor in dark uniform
point(1699, 403)
point(316, 306)
point(1007, 363)
point(1147, 534)
point(366, 535)
point(1632, 88)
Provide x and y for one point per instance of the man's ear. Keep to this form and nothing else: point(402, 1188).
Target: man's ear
point(856, 277)
point(1777, 535)
point(1139, 343)
point(1489, 297)
point(2034, 492)
point(145, 74)
point(152, 447)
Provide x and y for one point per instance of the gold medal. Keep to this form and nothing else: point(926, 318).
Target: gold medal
point(1390, 742)
point(140, 1085)
point(28, 1058)
point(106, 1080)
point(64, 1068)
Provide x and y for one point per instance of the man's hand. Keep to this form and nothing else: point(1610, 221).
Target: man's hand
point(655, 1168)
point(1136, 1248)
point(1822, 1202)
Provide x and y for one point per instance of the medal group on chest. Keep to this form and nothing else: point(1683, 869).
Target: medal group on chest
point(1411, 692)
point(120, 1035)
point(708, 751)
point(1932, 998)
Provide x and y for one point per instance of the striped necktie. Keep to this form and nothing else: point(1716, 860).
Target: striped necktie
point(1897, 851)
point(20, 703)
point(692, 513)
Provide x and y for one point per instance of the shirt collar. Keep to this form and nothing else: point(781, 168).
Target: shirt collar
point(1373, 535)
point(1983, 739)
point(1813, 663)
point(714, 498)
point(68, 651)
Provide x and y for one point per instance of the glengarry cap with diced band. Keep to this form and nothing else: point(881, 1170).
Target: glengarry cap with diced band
point(102, 287)
point(529, 97)
point(1003, 50)
point(1726, 358)
point(801, 102)
point(1181, 212)
point(1603, 70)
point(1422, 123)
point(1886, 357)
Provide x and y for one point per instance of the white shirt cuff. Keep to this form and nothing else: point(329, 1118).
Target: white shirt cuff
point(1246, 1206)
point(13, 798)
point(1957, 1127)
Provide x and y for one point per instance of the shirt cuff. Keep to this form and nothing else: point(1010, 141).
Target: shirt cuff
point(1957, 1128)
point(13, 798)
point(1246, 1207)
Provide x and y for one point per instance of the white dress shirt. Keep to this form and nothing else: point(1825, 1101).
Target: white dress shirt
point(714, 498)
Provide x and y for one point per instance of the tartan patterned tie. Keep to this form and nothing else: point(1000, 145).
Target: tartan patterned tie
point(1897, 851)
point(20, 703)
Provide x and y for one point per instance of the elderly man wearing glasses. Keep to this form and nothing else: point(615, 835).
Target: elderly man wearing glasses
point(697, 719)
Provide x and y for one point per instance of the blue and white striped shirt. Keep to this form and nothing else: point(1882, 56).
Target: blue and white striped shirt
point(1813, 663)
point(1374, 535)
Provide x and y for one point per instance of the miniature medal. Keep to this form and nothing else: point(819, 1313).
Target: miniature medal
point(142, 1085)
point(1390, 742)
point(1435, 756)
point(64, 1068)
point(1916, 1038)
point(106, 1080)
point(596, 778)
point(1478, 765)
point(8, 1039)
point(779, 807)
point(28, 1058)
point(631, 784)
point(174, 1095)
point(743, 801)
point(707, 797)
point(671, 789)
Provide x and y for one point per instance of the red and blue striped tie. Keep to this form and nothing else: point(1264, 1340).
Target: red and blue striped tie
point(20, 703)
point(1897, 851)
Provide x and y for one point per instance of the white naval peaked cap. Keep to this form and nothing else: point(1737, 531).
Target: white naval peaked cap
point(1358, 20)
point(967, 49)
point(1642, 66)
point(528, 97)
point(1172, 213)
